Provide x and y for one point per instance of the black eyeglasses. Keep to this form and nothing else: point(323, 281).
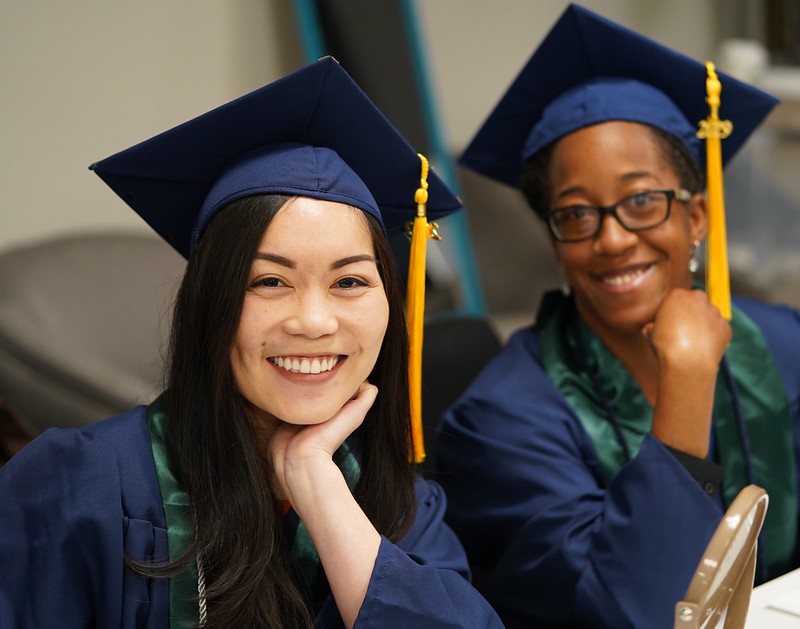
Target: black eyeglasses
point(637, 212)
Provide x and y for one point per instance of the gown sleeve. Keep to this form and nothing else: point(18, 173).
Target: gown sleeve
point(527, 499)
point(66, 522)
point(423, 580)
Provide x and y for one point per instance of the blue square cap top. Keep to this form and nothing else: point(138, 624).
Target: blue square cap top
point(311, 133)
point(590, 70)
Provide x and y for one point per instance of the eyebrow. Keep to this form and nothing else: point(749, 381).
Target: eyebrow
point(632, 176)
point(271, 257)
point(290, 264)
point(352, 260)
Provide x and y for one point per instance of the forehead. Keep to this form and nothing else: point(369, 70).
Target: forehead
point(615, 148)
point(317, 225)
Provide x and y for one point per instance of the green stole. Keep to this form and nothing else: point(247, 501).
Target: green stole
point(183, 601)
point(764, 405)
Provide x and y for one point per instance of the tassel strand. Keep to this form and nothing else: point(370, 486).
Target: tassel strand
point(421, 231)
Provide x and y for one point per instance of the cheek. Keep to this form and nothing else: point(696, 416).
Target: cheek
point(677, 239)
point(256, 323)
point(241, 358)
point(573, 258)
point(248, 343)
point(242, 343)
point(374, 327)
point(380, 322)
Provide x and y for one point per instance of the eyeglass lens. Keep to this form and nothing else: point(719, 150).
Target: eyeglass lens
point(636, 212)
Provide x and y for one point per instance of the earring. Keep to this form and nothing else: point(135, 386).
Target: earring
point(694, 263)
point(565, 288)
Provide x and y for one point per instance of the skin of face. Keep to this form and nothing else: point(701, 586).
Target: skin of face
point(619, 278)
point(315, 303)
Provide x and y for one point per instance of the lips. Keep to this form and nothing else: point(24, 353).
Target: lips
point(624, 277)
point(305, 364)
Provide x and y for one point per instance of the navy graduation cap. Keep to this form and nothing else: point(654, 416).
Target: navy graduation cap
point(589, 70)
point(311, 133)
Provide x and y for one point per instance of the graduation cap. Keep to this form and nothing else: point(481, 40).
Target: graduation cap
point(589, 70)
point(244, 148)
point(313, 133)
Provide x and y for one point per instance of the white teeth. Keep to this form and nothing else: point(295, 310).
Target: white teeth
point(305, 365)
point(619, 280)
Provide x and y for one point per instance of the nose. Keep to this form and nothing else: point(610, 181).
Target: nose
point(312, 316)
point(613, 238)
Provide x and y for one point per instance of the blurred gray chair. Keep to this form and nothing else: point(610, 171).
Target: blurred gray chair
point(454, 351)
point(15, 432)
point(83, 322)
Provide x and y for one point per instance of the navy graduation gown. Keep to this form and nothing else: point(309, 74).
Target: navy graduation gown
point(74, 502)
point(553, 545)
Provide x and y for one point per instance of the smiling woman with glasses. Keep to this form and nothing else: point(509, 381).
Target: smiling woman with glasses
point(588, 466)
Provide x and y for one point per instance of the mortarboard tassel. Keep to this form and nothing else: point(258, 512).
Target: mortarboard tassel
point(712, 129)
point(420, 231)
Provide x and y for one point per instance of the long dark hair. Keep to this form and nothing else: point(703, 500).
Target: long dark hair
point(251, 578)
point(535, 180)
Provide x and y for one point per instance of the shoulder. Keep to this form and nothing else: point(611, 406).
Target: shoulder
point(513, 390)
point(112, 457)
point(780, 325)
point(512, 370)
point(770, 315)
point(84, 447)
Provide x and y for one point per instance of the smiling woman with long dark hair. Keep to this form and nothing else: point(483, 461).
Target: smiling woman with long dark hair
point(272, 483)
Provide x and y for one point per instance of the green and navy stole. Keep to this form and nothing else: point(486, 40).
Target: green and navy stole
point(758, 391)
point(183, 598)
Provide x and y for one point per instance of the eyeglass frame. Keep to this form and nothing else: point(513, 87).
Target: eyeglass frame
point(679, 194)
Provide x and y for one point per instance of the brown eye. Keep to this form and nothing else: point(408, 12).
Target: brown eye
point(268, 282)
point(640, 200)
point(349, 282)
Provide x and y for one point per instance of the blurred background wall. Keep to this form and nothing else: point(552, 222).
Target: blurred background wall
point(84, 79)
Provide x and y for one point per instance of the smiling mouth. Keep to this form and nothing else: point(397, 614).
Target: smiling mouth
point(624, 277)
point(297, 364)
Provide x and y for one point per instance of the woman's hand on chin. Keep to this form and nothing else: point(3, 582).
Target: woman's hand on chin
point(689, 338)
point(297, 451)
point(688, 333)
point(345, 539)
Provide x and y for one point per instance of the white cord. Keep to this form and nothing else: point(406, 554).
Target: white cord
point(201, 592)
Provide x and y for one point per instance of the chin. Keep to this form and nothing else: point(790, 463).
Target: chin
point(632, 320)
point(310, 414)
point(627, 319)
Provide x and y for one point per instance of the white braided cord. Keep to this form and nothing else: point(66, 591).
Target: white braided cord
point(201, 593)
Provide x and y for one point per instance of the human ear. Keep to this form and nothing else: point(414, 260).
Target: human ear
point(697, 213)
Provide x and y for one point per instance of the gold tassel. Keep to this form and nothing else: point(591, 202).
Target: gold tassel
point(713, 130)
point(420, 232)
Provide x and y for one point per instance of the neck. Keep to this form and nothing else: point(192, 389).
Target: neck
point(634, 351)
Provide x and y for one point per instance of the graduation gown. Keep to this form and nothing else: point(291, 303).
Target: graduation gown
point(74, 502)
point(553, 544)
